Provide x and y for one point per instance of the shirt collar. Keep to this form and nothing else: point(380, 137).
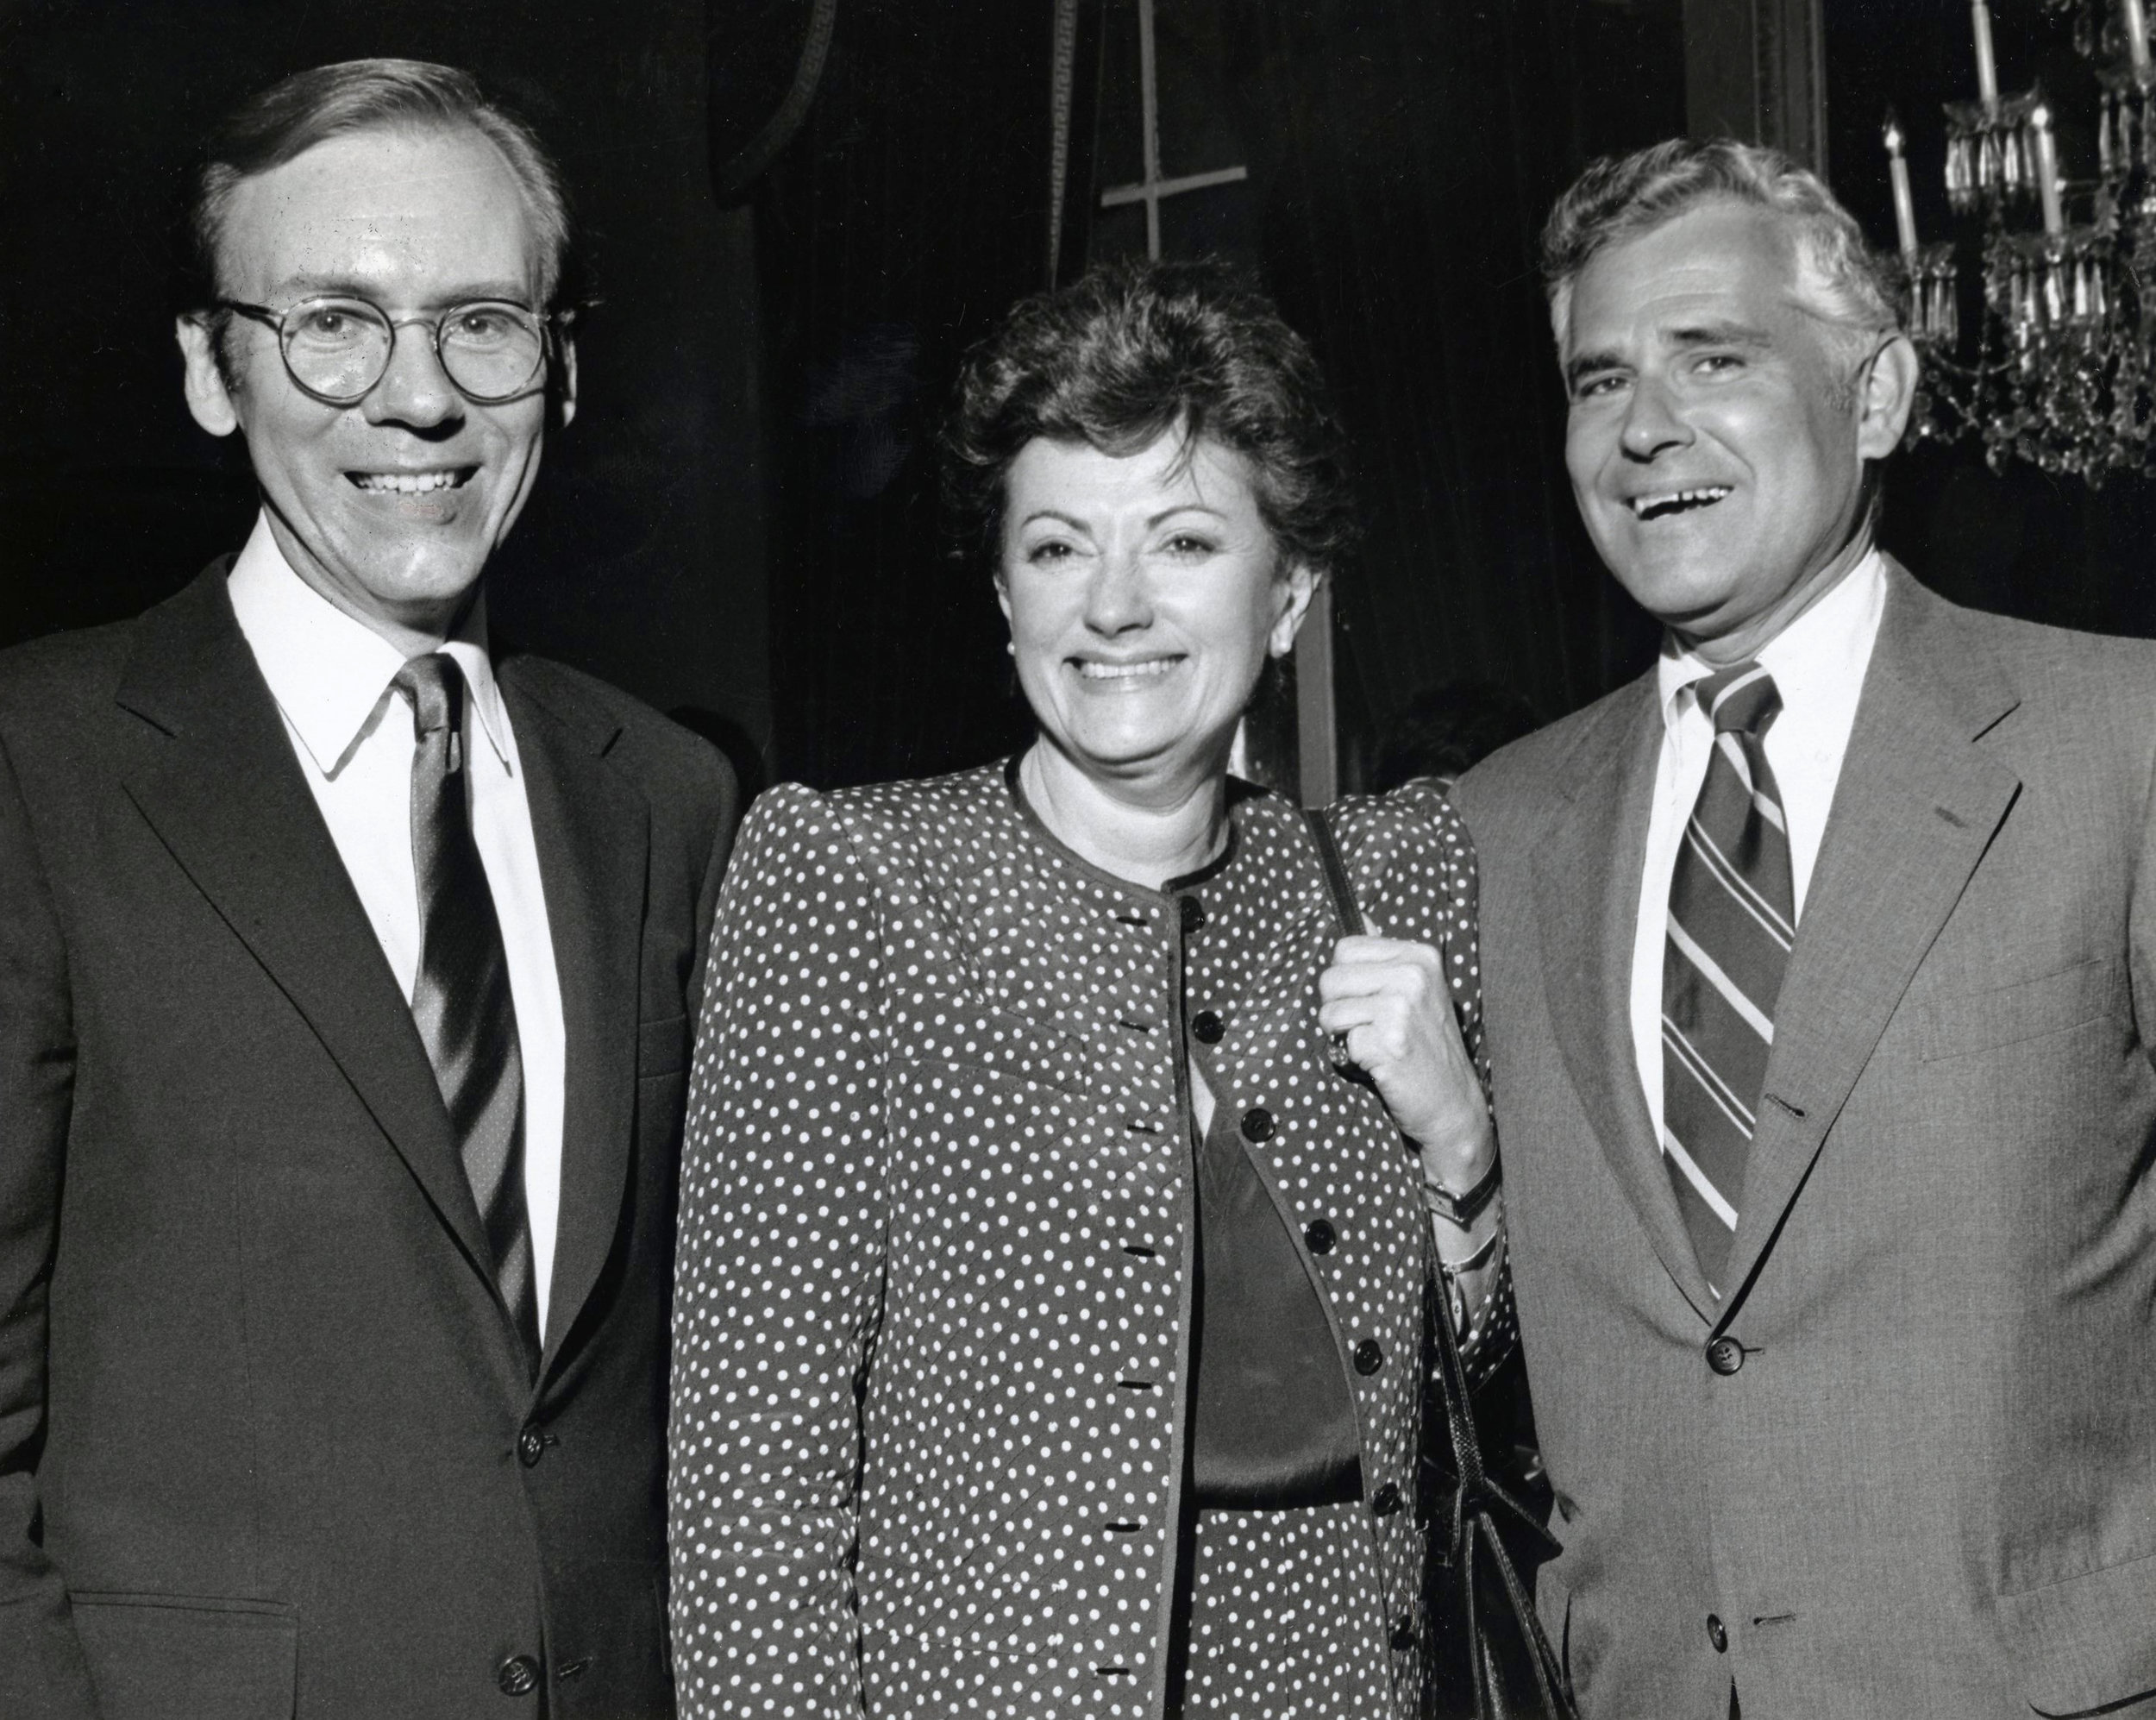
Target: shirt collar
point(329, 673)
point(1815, 651)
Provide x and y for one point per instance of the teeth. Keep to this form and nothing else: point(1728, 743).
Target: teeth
point(1646, 506)
point(405, 483)
point(1092, 671)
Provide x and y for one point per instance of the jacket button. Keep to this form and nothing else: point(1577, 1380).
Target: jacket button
point(1724, 1355)
point(1369, 1356)
point(1206, 1027)
point(531, 1446)
point(1404, 1633)
point(1258, 1124)
point(1193, 911)
point(1385, 1501)
point(1319, 1237)
point(1716, 1634)
point(517, 1676)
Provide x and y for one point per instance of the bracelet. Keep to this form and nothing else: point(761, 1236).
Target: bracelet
point(1453, 1269)
point(1462, 1210)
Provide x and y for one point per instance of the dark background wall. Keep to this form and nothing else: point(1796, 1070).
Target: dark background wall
point(741, 522)
point(641, 555)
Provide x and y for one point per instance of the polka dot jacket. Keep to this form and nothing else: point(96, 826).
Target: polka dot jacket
point(931, 1323)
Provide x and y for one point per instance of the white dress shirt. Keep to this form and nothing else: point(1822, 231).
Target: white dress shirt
point(352, 732)
point(1818, 662)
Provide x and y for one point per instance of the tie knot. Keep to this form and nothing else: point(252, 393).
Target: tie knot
point(435, 687)
point(1741, 699)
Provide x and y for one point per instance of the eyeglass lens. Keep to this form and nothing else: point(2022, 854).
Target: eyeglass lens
point(340, 347)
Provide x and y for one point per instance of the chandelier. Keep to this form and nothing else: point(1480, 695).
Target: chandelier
point(2057, 365)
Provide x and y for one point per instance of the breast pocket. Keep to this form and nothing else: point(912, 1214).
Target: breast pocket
point(1001, 1043)
point(2032, 1009)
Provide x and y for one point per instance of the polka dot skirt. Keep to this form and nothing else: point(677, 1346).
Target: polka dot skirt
point(932, 1321)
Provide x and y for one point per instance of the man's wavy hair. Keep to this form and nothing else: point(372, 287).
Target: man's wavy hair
point(1133, 351)
point(1840, 280)
point(290, 116)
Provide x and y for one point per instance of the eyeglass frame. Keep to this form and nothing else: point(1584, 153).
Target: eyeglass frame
point(273, 320)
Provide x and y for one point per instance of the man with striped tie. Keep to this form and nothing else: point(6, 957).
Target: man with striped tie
point(1815, 964)
point(344, 972)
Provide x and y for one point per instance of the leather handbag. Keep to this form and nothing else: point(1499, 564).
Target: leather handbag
point(1481, 1608)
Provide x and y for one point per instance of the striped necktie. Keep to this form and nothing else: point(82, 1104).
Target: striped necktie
point(1733, 918)
point(461, 999)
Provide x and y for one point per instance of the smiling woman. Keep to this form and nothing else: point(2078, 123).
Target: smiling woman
point(1077, 1357)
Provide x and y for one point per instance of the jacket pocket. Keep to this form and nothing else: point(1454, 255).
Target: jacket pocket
point(1003, 1043)
point(2053, 1003)
point(663, 1046)
point(189, 1657)
point(2086, 1643)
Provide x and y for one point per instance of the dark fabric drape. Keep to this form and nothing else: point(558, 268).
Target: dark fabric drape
point(1409, 153)
point(903, 220)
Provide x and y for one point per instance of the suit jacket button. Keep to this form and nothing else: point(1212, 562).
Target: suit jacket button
point(1404, 1633)
point(1385, 1501)
point(1193, 911)
point(1724, 1355)
point(517, 1676)
point(1205, 1026)
point(1369, 1356)
point(531, 1446)
point(1258, 1124)
point(1319, 1237)
point(1716, 1634)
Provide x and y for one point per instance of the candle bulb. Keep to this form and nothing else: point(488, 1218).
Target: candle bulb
point(2047, 170)
point(1986, 67)
point(1904, 205)
point(2137, 38)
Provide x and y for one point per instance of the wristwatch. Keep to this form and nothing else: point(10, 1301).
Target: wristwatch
point(1462, 1209)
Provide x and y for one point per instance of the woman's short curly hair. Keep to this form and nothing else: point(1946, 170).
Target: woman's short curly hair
point(1134, 350)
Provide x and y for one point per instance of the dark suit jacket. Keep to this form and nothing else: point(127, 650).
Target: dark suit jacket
point(1929, 1487)
point(266, 1447)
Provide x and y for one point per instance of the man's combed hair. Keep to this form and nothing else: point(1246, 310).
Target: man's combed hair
point(1133, 351)
point(311, 107)
point(1620, 197)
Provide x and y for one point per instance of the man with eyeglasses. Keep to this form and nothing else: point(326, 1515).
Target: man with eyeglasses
point(344, 980)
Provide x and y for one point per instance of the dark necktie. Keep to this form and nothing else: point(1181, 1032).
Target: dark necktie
point(1733, 918)
point(460, 1000)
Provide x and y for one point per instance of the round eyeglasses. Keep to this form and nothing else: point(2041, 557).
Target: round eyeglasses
point(337, 349)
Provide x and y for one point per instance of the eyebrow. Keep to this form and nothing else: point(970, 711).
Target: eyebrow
point(1151, 520)
point(348, 286)
point(1686, 338)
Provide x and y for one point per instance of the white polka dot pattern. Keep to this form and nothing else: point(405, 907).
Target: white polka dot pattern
point(930, 1324)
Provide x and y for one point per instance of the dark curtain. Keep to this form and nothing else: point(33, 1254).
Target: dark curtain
point(2018, 542)
point(907, 217)
point(1408, 153)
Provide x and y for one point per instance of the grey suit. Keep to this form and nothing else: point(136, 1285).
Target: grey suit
point(1929, 1488)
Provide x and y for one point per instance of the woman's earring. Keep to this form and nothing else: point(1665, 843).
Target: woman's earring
point(1011, 648)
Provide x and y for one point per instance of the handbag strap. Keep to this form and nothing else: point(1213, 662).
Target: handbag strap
point(1336, 877)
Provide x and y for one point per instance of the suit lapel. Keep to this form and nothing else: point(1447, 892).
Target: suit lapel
point(1587, 880)
point(219, 784)
point(1918, 802)
point(593, 834)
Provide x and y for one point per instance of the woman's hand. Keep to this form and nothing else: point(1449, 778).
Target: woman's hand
point(1389, 999)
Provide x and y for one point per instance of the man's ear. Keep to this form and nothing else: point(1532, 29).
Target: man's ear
point(564, 379)
point(207, 397)
point(1885, 393)
point(1299, 584)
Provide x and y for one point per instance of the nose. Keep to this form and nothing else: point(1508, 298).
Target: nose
point(1119, 597)
point(415, 391)
point(1653, 422)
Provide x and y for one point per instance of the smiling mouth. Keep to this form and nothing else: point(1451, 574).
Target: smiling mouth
point(1150, 668)
point(1676, 501)
point(412, 483)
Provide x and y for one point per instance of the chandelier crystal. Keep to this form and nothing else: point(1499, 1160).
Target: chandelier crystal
point(2059, 366)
